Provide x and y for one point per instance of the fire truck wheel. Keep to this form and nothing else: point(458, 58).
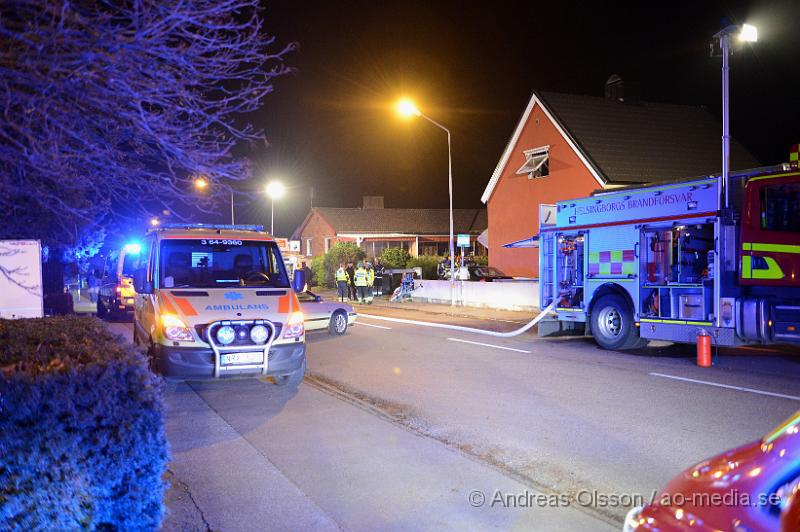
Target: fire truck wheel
point(612, 324)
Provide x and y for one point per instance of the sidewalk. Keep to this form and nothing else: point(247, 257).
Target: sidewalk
point(84, 305)
point(511, 316)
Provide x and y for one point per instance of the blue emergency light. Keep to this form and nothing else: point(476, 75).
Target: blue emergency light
point(133, 248)
point(224, 227)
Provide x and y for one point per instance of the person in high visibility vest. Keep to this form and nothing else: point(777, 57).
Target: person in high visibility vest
point(361, 282)
point(342, 280)
point(370, 283)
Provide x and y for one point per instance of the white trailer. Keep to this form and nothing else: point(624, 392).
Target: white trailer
point(21, 279)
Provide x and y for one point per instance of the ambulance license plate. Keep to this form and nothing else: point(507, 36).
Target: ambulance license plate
point(241, 358)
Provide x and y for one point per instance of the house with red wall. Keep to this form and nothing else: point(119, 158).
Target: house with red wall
point(374, 227)
point(569, 146)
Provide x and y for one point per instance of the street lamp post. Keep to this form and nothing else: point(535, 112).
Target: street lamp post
point(275, 190)
point(201, 183)
point(744, 33)
point(407, 108)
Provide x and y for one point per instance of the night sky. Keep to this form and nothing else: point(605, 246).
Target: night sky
point(472, 67)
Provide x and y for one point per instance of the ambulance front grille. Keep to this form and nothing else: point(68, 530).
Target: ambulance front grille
point(202, 332)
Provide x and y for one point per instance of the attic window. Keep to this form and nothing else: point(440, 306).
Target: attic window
point(537, 163)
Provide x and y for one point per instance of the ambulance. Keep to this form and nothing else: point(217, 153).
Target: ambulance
point(674, 261)
point(215, 301)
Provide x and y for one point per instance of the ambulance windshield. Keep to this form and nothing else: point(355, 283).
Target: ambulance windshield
point(220, 263)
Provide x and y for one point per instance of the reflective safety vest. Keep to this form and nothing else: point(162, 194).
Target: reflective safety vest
point(361, 277)
point(341, 275)
point(370, 277)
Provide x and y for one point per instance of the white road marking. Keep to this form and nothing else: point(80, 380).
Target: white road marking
point(489, 345)
point(371, 325)
point(473, 330)
point(728, 386)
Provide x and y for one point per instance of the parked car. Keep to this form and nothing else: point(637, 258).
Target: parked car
point(751, 488)
point(485, 273)
point(474, 272)
point(321, 314)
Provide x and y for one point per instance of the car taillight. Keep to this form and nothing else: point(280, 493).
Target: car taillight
point(295, 327)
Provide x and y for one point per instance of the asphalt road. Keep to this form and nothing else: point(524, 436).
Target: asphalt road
point(398, 426)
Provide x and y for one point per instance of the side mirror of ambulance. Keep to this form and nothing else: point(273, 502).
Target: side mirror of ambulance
point(140, 283)
point(299, 281)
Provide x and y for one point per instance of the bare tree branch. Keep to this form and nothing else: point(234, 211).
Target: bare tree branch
point(106, 104)
point(15, 275)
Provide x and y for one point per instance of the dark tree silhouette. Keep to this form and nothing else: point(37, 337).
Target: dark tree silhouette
point(109, 105)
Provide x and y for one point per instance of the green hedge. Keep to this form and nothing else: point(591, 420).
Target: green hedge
point(428, 263)
point(341, 252)
point(318, 274)
point(394, 257)
point(82, 425)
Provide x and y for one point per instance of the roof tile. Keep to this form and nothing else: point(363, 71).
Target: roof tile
point(411, 221)
point(645, 142)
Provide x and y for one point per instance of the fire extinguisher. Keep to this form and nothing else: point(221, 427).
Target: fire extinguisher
point(703, 349)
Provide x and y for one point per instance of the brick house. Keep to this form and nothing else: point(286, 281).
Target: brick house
point(568, 146)
point(373, 227)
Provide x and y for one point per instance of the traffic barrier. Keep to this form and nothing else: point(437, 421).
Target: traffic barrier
point(505, 295)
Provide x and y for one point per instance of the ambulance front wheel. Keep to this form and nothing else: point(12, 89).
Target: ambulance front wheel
point(612, 324)
point(292, 380)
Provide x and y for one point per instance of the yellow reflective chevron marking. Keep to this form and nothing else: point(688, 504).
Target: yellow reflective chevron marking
point(772, 271)
point(675, 322)
point(772, 248)
point(763, 177)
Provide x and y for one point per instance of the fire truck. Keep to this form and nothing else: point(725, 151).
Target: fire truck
point(671, 261)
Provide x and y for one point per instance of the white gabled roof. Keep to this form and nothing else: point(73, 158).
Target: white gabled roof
point(512, 144)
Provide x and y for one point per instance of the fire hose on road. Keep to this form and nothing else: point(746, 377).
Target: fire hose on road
point(509, 334)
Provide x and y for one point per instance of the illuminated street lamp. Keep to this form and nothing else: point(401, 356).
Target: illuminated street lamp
point(407, 109)
point(154, 222)
point(275, 190)
point(201, 183)
point(743, 33)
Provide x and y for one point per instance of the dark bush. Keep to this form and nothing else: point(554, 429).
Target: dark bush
point(82, 442)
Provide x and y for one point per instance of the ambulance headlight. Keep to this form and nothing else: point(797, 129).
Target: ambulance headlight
point(259, 334)
point(175, 329)
point(226, 335)
point(295, 326)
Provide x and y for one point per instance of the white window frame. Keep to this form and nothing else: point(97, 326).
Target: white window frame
point(536, 162)
point(308, 247)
